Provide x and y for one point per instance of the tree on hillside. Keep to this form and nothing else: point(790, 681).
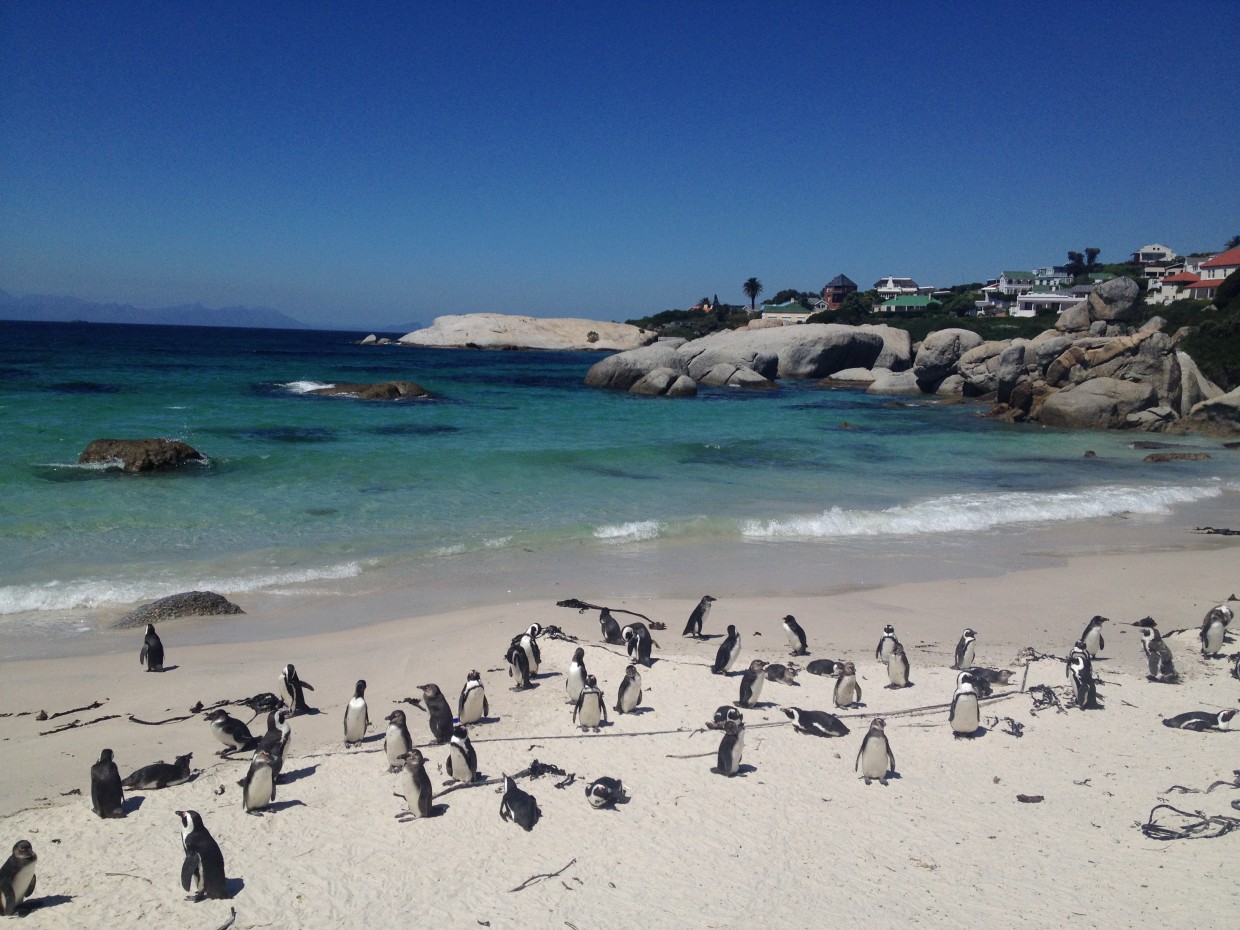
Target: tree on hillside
point(1233, 242)
point(1091, 258)
point(752, 288)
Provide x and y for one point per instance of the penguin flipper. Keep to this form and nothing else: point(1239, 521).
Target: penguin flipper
point(142, 655)
point(189, 868)
point(306, 686)
point(486, 707)
point(1102, 643)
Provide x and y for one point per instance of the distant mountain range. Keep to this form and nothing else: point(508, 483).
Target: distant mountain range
point(43, 308)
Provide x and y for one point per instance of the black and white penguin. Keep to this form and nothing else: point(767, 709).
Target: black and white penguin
point(828, 668)
point(897, 665)
point(629, 694)
point(980, 685)
point(886, 644)
point(462, 759)
point(726, 657)
point(230, 731)
point(724, 714)
point(847, 691)
point(528, 641)
point(1157, 656)
point(1078, 649)
point(438, 712)
point(1085, 687)
point(964, 715)
point(783, 674)
point(698, 617)
point(1235, 666)
point(17, 877)
point(751, 683)
point(637, 642)
point(107, 799)
point(472, 705)
point(1092, 636)
point(988, 676)
point(610, 628)
point(293, 691)
point(605, 792)
point(414, 784)
point(275, 742)
point(1204, 720)
point(1214, 630)
point(518, 666)
point(590, 710)
point(203, 868)
point(796, 636)
point(964, 650)
point(518, 806)
point(356, 715)
point(160, 774)
point(728, 759)
point(575, 680)
point(258, 787)
point(397, 742)
point(152, 654)
point(815, 722)
point(875, 758)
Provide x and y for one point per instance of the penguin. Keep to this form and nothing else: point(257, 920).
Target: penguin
point(723, 715)
point(258, 787)
point(629, 694)
point(397, 742)
point(275, 741)
point(796, 636)
point(875, 758)
point(1083, 683)
point(964, 715)
point(725, 658)
point(17, 877)
point(1158, 656)
point(605, 792)
point(751, 683)
point(528, 641)
point(462, 759)
point(292, 690)
point(590, 710)
point(204, 863)
point(784, 674)
point(575, 680)
point(472, 705)
point(1235, 665)
point(637, 641)
point(828, 668)
point(815, 722)
point(107, 799)
point(965, 650)
point(1204, 720)
point(518, 806)
point(610, 628)
point(728, 759)
point(231, 732)
point(1092, 636)
point(518, 666)
point(152, 654)
point(847, 691)
point(980, 685)
point(160, 774)
point(897, 665)
point(356, 715)
point(414, 785)
point(989, 676)
point(698, 617)
point(1078, 649)
point(1214, 630)
point(439, 713)
point(886, 644)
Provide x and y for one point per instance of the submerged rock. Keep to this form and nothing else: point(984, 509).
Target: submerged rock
point(137, 455)
point(382, 390)
point(187, 604)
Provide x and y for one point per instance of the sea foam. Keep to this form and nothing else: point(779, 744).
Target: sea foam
point(633, 531)
point(305, 387)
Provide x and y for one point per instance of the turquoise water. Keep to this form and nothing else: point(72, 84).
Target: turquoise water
point(513, 454)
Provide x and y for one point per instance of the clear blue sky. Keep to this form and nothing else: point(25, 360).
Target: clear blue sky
point(368, 164)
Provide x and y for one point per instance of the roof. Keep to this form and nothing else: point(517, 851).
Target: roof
point(1202, 285)
point(1184, 277)
point(1018, 274)
point(1224, 259)
point(907, 300)
point(841, 281)
point(895, 282)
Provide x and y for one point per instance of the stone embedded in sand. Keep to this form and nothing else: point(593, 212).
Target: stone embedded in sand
point(186, 604)
point(137, 455)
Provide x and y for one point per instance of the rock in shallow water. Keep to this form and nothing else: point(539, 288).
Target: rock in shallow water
point(136, 455)
point(187, 604)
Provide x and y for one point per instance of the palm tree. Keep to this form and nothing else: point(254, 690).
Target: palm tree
point(752, 288)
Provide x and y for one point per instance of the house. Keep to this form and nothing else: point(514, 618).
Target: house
point(905, 303)
point(836, 290)
point(1014, 283)
point(1153, 253)
point(891, 286)
point(791, 312)
point(1171, 287)
point(1213, 271)
point(1044, 300)
point(1051, 276)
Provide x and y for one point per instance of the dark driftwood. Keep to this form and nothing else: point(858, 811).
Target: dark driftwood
point(1195, 829)
point(76, 710)
point(582, 606)
point(157, 723)
point(533, 879)
point(78, 723)
point(232, 918)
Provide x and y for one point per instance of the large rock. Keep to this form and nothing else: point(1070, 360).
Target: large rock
point(897, 351)
point(939, 352)
point(136, 455)
point(382, 390)
point(1011, 366)
point(1114, 301)
point(1218, 415)
point(896, 382)
point(811, 350)
point(1194, 386)
point(979, 366)
point(504, 331)
point(1075, 319)
point(856, 375)
point(188, 604)
point(1101, 403)
point(620, 372)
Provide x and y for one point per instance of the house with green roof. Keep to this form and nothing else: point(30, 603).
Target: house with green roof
point(906, 303)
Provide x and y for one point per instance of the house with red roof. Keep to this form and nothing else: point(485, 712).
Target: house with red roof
point(1213, 271)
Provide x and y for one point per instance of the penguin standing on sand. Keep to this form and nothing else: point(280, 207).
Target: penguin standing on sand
point(397, 742)
point(203, 867)
point(293, 690)
point(886, 644)
point(1214, 630)
point(728, 759)
point(629, 694)
point(575, 680)
point(1081, 669)
point(528, 641)
point(897, 666)
point(875, 758)
point(815, 722)
point(1091, 638)
point(472, 705)
point(964, 650)
point(276, 740)
point(610, 628)
point(590, 710)
point(1157, 656)
point(107, 798)
point(847, 692)
point(152, 654)
point(258, 787)
point(230, 731)
point(751, 683)
point(356, 715)
point(462, 759)
point(964, 716)
point(414, 785)
point(518, 806)
point(796, 636)
point(518, 666)
point(698, 617)
point(605, 792)
point(637, 641)
point(17, 877)
point(1078, 649)
point(726, 657)
point(438, 711)
point(723, 714)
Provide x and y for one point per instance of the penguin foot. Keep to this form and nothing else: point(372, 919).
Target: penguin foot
point(867, 780)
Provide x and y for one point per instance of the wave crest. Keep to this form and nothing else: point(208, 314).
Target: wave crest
point(632, 531)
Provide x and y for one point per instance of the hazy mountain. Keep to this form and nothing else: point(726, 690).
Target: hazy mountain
point(43, 308)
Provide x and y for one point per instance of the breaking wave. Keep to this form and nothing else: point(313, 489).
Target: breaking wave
point(629, 532)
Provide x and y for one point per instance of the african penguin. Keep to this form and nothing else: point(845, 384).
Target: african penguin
point(784, 674)
point(723, 715)
point(605, 792)
point(897, 666)
point(518, 806)
point(751, 683)
point(610, 628)
point(629, 694)
point(518, 666)
point(980, 685)
point(698, 617)
point(847, 692)
point(438, 712)
point(964, 715)
point(1077, 650)
point(152, 654)
point(1158, 656)
point(886, 644)
point(965, 650)
point(725, 658)
point(1084, 685)
point(815, 722)
point(1214, 630)
point(728, 759)
point(160, 774)
point(17, 877)
point(293, 690)
point(472, 705)
point(397, 742)
point(107, 799)
point(796, 636)
point(637, 641)
point(575, 680)
point(1092, 636)
point(828, 668)
point(590, 710)
point(414, 784)
point(1204, 720)
point(230, 731)
point(462, 759)
point(874, 758)
point(203, 867)
point(356, 715)
point(528, 641)
point(276, 740)
point(258, 787)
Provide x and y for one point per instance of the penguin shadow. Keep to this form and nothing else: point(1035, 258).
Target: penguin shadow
point(757, 705)
point(166, 668)
point(541, 675)
point(638, 711)
point(707, 637)
point(38, 904)
point(276, 806)
point(855, 705)
point(375, 737)
point(132, 804)
point(976, 734)
point(898, 687)
point(741, 770)
point(307, 712)
point(437, 810)
point(234, 886)
point(287, 778)
point(530, 687)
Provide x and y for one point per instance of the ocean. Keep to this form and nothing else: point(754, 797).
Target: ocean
point(515, 476)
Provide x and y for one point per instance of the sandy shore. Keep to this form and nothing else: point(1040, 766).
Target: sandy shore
point(797, 836)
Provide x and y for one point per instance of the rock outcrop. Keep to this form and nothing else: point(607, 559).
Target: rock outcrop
point(1101, 403)
point(187, 604)
point(504, 331)
point(139, 455)
point(382, 390)
point(940, 351)
point(621, 371)
point(1220, 415)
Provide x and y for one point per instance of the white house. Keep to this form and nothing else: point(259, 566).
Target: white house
point(1153, 253)
point(1040, 301)
point(1213, 271)
point(891, 286)
point(1013, 283)
point(791, 312)
point(1051, 276)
